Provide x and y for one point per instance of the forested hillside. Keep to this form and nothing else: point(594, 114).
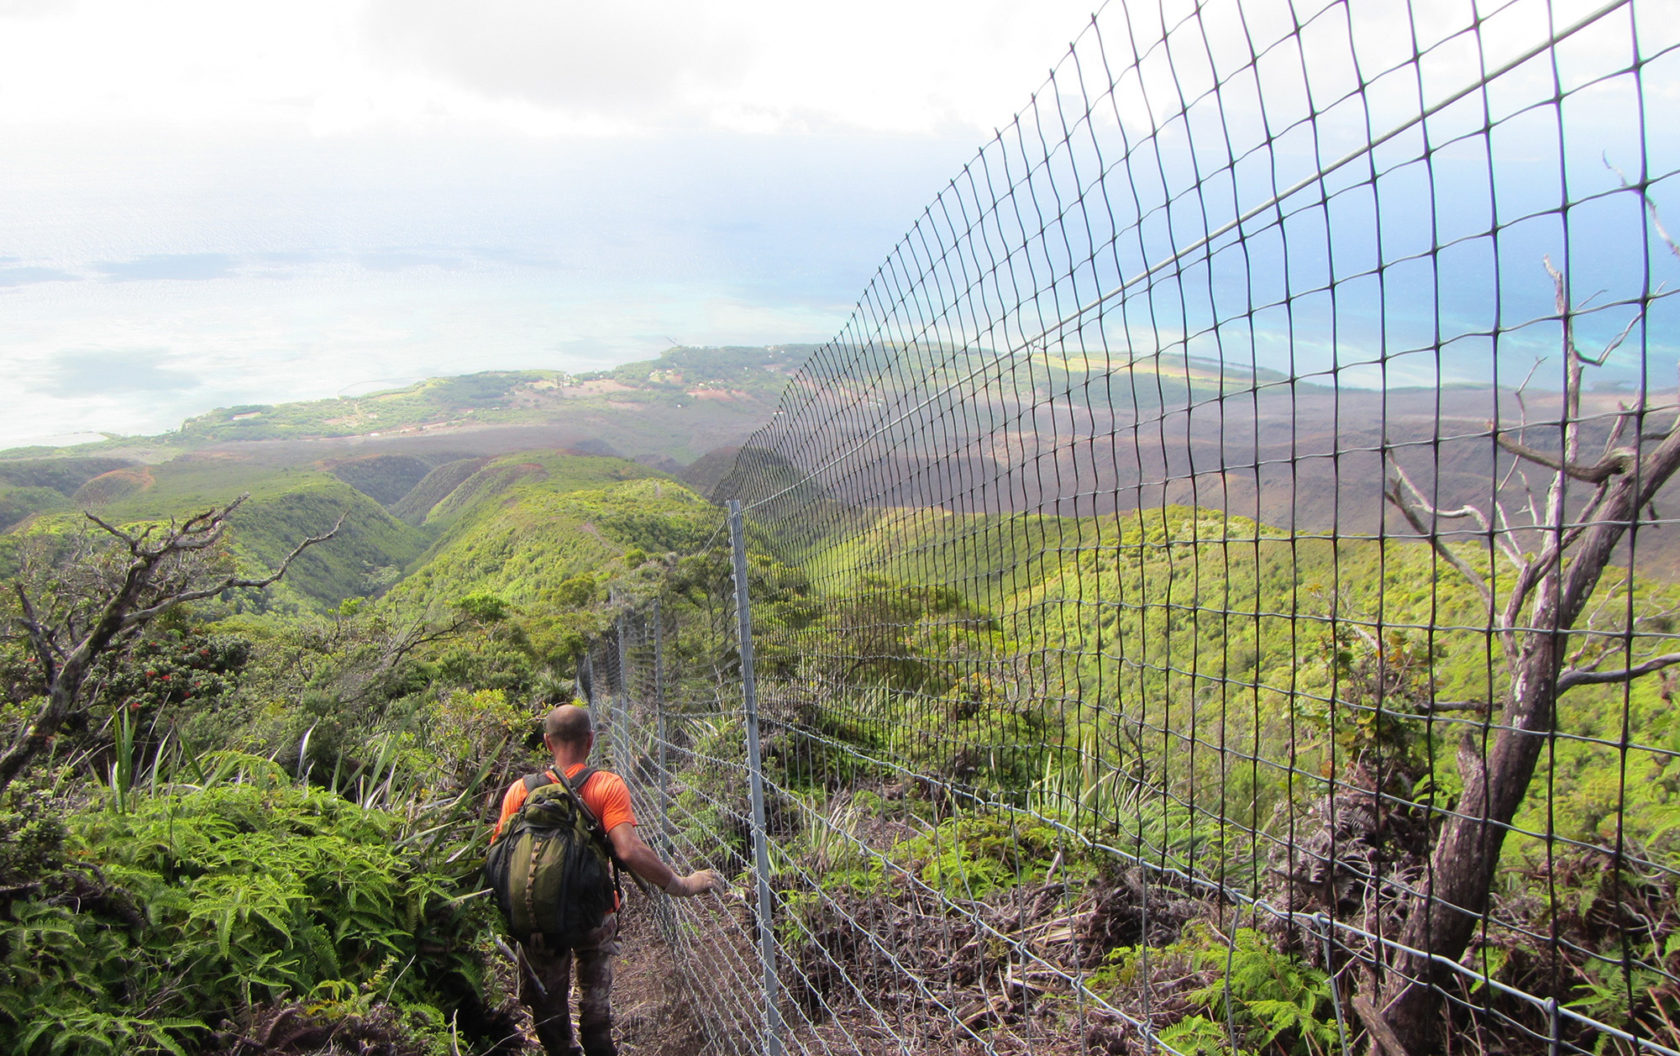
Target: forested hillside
point(1100, 592)
point(261, 823)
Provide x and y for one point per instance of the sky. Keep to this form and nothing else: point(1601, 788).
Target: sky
point(206, 204)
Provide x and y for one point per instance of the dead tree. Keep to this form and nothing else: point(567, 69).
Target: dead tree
point(1575, 540)
point(146, 573)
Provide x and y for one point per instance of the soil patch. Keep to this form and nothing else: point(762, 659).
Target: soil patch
point(649, 1014)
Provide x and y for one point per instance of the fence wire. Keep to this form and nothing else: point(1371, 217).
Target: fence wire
point(1217, 591)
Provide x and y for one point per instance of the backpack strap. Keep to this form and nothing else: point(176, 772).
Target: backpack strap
point(574, 788)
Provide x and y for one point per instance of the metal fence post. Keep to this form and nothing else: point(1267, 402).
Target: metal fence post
point(622, 760)
point(761, 844)
point(663, 761)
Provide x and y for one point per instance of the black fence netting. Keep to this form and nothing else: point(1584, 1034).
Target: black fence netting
point(1217, 592)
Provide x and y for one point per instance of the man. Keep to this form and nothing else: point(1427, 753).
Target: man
point(544, 976)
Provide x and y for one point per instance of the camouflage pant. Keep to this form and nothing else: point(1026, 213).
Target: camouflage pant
point(549, 1002)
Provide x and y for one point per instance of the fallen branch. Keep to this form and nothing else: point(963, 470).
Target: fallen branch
point(1382, 1035)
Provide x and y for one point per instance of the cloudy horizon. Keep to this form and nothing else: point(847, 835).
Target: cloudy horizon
point(205, 204)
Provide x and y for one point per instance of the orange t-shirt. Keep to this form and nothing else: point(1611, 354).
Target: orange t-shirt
point(605, 793)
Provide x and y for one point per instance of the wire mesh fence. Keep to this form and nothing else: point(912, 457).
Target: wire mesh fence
point(1217, 592)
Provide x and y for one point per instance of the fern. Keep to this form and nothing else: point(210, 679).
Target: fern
point(1276, 1002)
point(238, 894)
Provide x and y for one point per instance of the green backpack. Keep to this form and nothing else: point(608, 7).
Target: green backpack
point(552, 871)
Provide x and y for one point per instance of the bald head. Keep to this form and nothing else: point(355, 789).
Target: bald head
point(569, 725)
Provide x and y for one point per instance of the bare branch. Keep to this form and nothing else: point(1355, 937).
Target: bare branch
point(37, 634)
point(1551, 594)
point(1557, 544)
point(1365, 636)
point(1503, 538)
point(1611, 515)
point(1617, 461)
point(124, 597)
point(1522, 389)
point(1578, 660)
point(1650, 208)
point(1587, 677)
point(1617, 341)
point(131, 541)
point(1449, 515)
point(197, 532)
point(1416, 509)
point(1624, 415)
point(419, 635)
point(231, 582)
point(1383, 1038)
point(1571, 358)
point(1512, 550)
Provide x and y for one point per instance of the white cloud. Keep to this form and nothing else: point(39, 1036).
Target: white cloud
point(532, 66)
point(756, 158)
point(547, 67)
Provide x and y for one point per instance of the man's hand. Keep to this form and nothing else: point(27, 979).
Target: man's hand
point(696, 883)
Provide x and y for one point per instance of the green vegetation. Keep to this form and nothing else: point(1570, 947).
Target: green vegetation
point(345, 727)
point(1250, 992)
point(1015, 715)
point(1201, 693)
point(153, 927)
point(47, 485)
point(264, 816)
point(432, 402)
point(1217, 632)
point(63, 475)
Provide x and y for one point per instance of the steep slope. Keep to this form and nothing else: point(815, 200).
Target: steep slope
point(434, 488)
point(109, 487)
point(524, 526)
point(284, 507)
point(31, 486)
point(63, 475)
point(383, 478)
point(18, 504)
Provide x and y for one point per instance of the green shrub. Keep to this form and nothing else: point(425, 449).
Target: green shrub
point(159, 923)
point(1270, 1000)
point(973, 856)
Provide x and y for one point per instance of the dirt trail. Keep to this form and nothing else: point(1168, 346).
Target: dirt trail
point(650, 1017)
point(653, 1016)
point(649, 1014)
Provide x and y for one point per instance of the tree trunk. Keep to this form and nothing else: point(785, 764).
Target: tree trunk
point(61, 699)
point(1445, 914)
point(1455, 897)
